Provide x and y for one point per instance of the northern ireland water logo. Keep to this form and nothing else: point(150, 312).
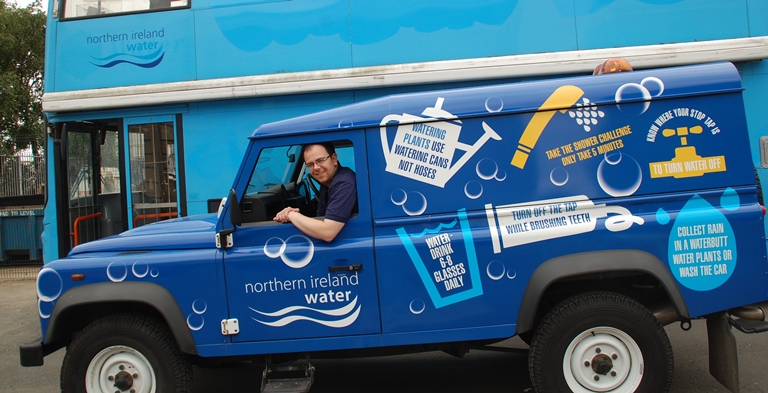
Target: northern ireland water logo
point(146, 61)
point(130, 48)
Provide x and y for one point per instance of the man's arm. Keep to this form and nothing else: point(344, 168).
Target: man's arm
point(323, 229)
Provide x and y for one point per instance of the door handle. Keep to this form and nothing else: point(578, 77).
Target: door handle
point(348, 268)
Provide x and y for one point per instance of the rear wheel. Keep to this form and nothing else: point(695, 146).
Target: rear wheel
point(125, 353)
point(600, 342)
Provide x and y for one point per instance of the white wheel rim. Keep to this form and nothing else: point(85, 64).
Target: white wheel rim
point(120, 363)
point(603, 359)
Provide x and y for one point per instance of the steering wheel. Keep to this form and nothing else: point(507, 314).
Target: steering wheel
point(307, 182)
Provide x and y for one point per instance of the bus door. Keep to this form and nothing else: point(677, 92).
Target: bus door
point(151, 176)
point(90, 204)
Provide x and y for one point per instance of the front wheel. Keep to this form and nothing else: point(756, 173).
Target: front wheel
point(600, 342)
point(125, 353)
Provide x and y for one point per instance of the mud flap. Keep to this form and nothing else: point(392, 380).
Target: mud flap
point(723, 354)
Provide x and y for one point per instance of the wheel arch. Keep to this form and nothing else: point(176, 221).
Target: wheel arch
point(596, 262)
point(78, 306)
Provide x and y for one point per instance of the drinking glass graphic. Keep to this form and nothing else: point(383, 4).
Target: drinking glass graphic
point(445, 260)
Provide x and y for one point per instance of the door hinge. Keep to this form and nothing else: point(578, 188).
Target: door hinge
point(230, 327)
point(227, 237)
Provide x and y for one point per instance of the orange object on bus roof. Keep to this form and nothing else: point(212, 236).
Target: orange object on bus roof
point(613, 65)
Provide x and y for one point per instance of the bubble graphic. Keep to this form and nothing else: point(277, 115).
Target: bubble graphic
point(559, 176)
point(613, 159)
point(501, 175)
point(154, 273)
point(662, 217)
point(44, 309)
point(633, 92)
point(417, 306)
point(494, 104)
point(495, 270)
point(199, 306)
point(511, 274)
point(473, 189)
point(140, 269)
point(486, 169)
point(345, 123)
point(195, 322)
point(298, 252)
point(274, 247)
point(295, 252)
point(415, 204)
point(730, 199)
point(49, 285)
point(117, 271)
point(619, 175)
point(398, 197)
point(654, 86)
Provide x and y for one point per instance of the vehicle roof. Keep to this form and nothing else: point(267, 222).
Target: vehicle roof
point(511, 98)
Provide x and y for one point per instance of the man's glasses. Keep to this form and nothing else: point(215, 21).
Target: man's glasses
point(319, 161)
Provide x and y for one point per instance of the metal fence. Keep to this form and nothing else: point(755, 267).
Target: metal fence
point(22, 174)
point(22, 182)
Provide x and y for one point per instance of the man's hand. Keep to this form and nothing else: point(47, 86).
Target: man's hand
point(284, 215)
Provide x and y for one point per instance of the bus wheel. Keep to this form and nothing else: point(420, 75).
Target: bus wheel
point(600, 342)
point(130, 353)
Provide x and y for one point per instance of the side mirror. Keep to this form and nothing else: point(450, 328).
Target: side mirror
point(235, 216)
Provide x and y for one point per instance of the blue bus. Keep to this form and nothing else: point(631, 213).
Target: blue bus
point(149, 102)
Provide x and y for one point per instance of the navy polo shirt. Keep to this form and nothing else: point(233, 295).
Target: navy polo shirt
point(339, 201)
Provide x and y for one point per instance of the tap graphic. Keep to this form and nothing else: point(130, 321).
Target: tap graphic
point(682, 132)
point(686, 162)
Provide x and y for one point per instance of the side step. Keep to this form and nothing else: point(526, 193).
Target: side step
point(292, 377)
point(748, 325)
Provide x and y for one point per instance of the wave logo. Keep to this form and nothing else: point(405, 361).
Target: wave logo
point(146, 61)
point(336, 318)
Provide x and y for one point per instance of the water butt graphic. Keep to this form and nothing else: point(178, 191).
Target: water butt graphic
point(424, 146)
point(702, 246)
point(445, 260)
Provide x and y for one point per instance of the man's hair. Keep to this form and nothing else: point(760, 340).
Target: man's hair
point(327, 145)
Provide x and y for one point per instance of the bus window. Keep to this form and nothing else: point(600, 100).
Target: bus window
point(152, 172)
point(90, 8)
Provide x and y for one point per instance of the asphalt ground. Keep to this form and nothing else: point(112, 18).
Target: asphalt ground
point(478, 372)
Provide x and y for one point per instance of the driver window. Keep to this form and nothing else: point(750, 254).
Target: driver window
point(275, 166)
point(280, 179)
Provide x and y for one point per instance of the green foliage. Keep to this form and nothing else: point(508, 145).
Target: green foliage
point(22, 50)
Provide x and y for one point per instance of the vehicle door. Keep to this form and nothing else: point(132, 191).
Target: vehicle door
point(283, 284)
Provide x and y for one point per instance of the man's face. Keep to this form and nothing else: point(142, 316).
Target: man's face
point(322, 166)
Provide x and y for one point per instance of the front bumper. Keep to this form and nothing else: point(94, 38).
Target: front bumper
point(32, 354)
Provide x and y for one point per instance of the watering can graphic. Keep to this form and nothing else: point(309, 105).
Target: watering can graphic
point(424, 146)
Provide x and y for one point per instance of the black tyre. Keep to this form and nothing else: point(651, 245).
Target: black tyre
point(130, 353)
point(600, 342)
